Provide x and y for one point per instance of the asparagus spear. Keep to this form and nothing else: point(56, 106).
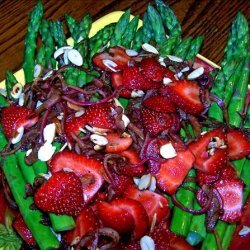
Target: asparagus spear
point(138, 40)
point(56, 29)
point(147, 29)
point(84, 28)
point(130, 32)
point(182, 48)
point(40, 58)
point(194, 49)
point(167, 47)
point(30, 41)
point(72, 26)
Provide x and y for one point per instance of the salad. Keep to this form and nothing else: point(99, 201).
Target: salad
point(126, 139)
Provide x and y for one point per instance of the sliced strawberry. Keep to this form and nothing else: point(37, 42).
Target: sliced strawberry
point(231, 193)
point(100, 116)
point(185, 94)
point(116, 82)
point(88, 169)
point(133, 207)
point(86, 222)
point(159, 103)
point(14, 117)
point(112, 215)
point(156, 122)
point(173, 171)
point(242, 241)
point(238, 144)
point(228, 172)
point(155, 204)
point(133, 159)
point(23, 230)
point(74, 125)
point(115, 54)
point(134, 80)
point(120, 183)
point(61, 194)
point(3, 206)
point(210, 160)
point(117, 143)
point(205, 178)
point(169, 74)
point(152, 69)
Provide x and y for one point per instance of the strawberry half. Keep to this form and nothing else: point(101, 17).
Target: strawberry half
point(231, 193)
point(88, 169)
point(100, 116)
point(154, 204)
point(74, 125)
point(86, 222)
point(185, 95)
point(14, 117)
point(156, 122)
point(210, 151)
point(116, 82)
point(117, 143)
point(152, 69)
point(159, 103)
point(61, 194)
point(173, 171)
point(238, 144)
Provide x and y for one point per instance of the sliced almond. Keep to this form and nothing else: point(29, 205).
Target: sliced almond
point(19, 135)
point(49, 132)
point(16, 90)
point(185, 69)
point(75, 57)
point(149, 48)
point(244, 231)
point(125, 120)
point(63, 147)
point(21, 99)
point(46, 151)
point(136, 180)
point(144, 182)
point(166, 80)
point(174, 58)
point(79, 113)
point(131, 52)
point(65, 57)
point(147, 243)
point(99, 139)
point(196, 73)
point(28, 152)
point(167, 151)
point(95, 130)
point(48, 74)
point(38, 104)
point(38, 69)
point(110, 64)
point(137, 93)
point(61, 51)
point(152, 186)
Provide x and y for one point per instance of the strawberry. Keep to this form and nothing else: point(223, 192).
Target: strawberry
point(88, 169)
point(61, 194)
point(205, 178)
point(133, 79)
point(14, 117)
point(173, 171)
point(152, 69)
point(74, 125)
point(115, 54)
point(23, 230)
point(112, 215)
point(117, 143)
point(86, 222)
point(159, 103)
point(231, 193)
point(155, 122)
point(169, 74)
point(116, 82)
point(238, 144)
point(100, 116)
point(120, 183)
point(154, 204)
point(210, 160)
point(3, 206)
point(185, 95)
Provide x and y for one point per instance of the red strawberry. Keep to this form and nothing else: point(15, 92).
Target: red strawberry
point(134, 80)
point(152, 69)
point(231, 193)
point(115, 54)
point(185, 95)
point(61, 194)
point(88, 169)
point(154, 204)
point(116, 82)
point(14, 117)
point(112, 215)
point(100, 116)
point(173, 171)
point(156, 122)
point(133, 159)
point(86, 222)
point(74, 125)
point(3, 206)
point(169, 74)
point(228, 172)
point(23, 230)
point(206, 160)
point(159, 103)
point(238, 144)
point(120, 183)
point(117, 143)
point(205, 178)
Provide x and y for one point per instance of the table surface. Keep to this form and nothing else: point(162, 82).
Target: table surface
point(211, 18)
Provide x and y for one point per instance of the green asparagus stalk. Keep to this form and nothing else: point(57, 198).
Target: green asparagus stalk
point(43, 235)
point(72, 26)
point(157, 25)
point(30, 41)
point(147, 29)
point(130, 32)
point(194, 49)
point(138, 40)
point(84, 28)
point(181, 220)
point(169, 19)
point(40, 58)
point(182, 48)
point(10, 81)
point(167, 47)
point(56, 29)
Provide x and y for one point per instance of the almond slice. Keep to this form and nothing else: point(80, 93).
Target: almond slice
point(19, 135)
point(110, 64)
point(166, 80)
point(46, 151)
point(61, 51)
point(131, 52)
point(75, 57)
point(147, 243)
point(149, 48)
point(38, 69)
point(174, 58)
point(196, 73)
point(167, 151)
point(99, 139)
point(49, 132)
